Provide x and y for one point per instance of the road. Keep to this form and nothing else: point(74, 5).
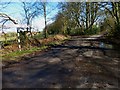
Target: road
point(79, 63)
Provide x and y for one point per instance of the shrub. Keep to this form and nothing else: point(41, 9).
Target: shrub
point(93, 30)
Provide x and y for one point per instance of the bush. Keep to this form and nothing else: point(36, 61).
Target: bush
point(76, 32)
point(92, 31)
point(39, 36)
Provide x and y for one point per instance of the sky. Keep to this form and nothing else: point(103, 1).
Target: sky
point(15, 10)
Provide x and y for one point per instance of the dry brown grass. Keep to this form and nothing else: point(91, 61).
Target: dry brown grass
point(12, 47)
point(32, 43)
point(53, 39)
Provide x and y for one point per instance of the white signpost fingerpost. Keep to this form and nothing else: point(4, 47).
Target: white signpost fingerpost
point(19, 46)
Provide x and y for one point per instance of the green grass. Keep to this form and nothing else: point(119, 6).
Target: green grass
point(8, 38)
point(16, 54)
point(39, 36)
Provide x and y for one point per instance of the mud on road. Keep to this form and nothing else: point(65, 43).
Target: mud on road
point(79, 63)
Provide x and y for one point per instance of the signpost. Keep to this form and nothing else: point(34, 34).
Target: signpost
point(19, 35)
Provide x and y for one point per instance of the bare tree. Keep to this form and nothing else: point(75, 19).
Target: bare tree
point(115, 13)
point(42, 6)
point(30, 12)
point(4, 18)
point(112, 11)
point(45, 11)
point(82, 14)
point(91, 14)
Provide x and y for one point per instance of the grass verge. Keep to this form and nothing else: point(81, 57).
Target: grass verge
point(46, 43)
point(17, 54)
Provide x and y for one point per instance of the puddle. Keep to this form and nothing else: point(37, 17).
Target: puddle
point(105, 45)
point(115, 49)
point(113, 52)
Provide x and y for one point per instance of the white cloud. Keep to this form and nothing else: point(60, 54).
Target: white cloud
point(39, 23)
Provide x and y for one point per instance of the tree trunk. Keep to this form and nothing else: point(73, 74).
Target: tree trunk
point(45, 32)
